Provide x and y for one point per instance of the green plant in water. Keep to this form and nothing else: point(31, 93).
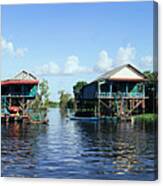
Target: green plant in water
point(65, 100)
point(42, 99)
point(149, 118)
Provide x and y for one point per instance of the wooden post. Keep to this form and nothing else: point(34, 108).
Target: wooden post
point(98, 104)
point(133, 104)
point(110, 105)
point(126, 107)
point(24, 105)
point(98, 107)
point(130, 104)
point(111, 87)
point(126, 89)
point(10, 102)
point(143, 90)
point(95, 112)
point(143, 105)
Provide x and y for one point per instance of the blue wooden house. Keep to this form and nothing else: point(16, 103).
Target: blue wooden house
point(120, 91)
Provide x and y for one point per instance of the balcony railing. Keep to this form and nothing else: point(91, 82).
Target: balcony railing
point(19, 94)
point(122, 94)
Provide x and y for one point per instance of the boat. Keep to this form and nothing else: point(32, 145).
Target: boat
point(85, 119)
point(37, 118)
point(39, 121)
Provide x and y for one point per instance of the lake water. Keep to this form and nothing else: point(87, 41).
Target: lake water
point(71, 149)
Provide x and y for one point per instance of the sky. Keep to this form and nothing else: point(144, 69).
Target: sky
point(65, 43)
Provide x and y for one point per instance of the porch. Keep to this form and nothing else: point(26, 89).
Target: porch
point(117, 90)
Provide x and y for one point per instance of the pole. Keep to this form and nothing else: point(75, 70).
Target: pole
point(98, 106)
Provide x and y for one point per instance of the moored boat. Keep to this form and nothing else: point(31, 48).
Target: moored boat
point(84, 118)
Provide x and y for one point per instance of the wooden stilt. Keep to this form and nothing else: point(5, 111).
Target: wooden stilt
point(99, 109)
point(143, 105)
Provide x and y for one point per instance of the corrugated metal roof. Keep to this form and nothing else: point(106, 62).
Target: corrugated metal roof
point(108, 74)
point(22, 76)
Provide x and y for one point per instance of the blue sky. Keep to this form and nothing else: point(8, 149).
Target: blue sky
point(64, 43)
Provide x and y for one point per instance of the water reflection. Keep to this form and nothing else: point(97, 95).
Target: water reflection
point(71, 149)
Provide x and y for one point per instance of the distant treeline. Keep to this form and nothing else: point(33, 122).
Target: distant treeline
point(53, 104)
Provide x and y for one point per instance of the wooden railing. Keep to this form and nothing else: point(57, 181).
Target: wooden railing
point(120, 94)
point(19, 94)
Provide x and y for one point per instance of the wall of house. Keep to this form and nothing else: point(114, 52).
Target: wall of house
point(26, 90)
point(89, 91)
point(126, 73)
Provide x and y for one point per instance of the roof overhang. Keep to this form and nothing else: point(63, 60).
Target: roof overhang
point(20, 82)
point(126, 79)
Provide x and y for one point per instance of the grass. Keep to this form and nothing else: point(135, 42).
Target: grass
point(148, 117)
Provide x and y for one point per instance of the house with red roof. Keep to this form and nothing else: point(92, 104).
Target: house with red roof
point(16, 91)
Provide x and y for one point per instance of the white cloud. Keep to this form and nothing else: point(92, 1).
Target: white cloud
point(104, 62)
point(146, 62)
point(48, 69)
point(125, 55)
point(9, 47)
point(20, 52)
point(72, 66)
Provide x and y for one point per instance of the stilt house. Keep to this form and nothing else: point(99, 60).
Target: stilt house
point(120, 91)
point(15, 92)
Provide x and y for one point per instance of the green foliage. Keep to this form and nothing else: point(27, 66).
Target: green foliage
point(44, 91)
point(53, 104)
point(78, 86)
point(65, 100)
point(42, 98)
point(151, 76)
point(36, 103)
point(70, 103)
point(151, 91)
point(151, 83)
point(149, 118)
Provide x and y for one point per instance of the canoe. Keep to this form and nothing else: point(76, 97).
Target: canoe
point(84, 118)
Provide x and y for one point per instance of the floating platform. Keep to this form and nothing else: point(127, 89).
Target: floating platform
point(13, 118)
point(21, 119)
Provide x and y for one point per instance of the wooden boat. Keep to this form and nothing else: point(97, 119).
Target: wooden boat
point(39, 121)
point(85, 119)
point(37, 118)
point(95, 119)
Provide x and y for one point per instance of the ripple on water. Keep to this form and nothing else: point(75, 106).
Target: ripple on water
point(78, 150)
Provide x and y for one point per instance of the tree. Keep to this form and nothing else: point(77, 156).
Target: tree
point(151, 83)
point(70, 103)
point(151, 76)
point(64, 100)
point(44, 92)
point(42, 98)
point(151, 90)
point(78, 86)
